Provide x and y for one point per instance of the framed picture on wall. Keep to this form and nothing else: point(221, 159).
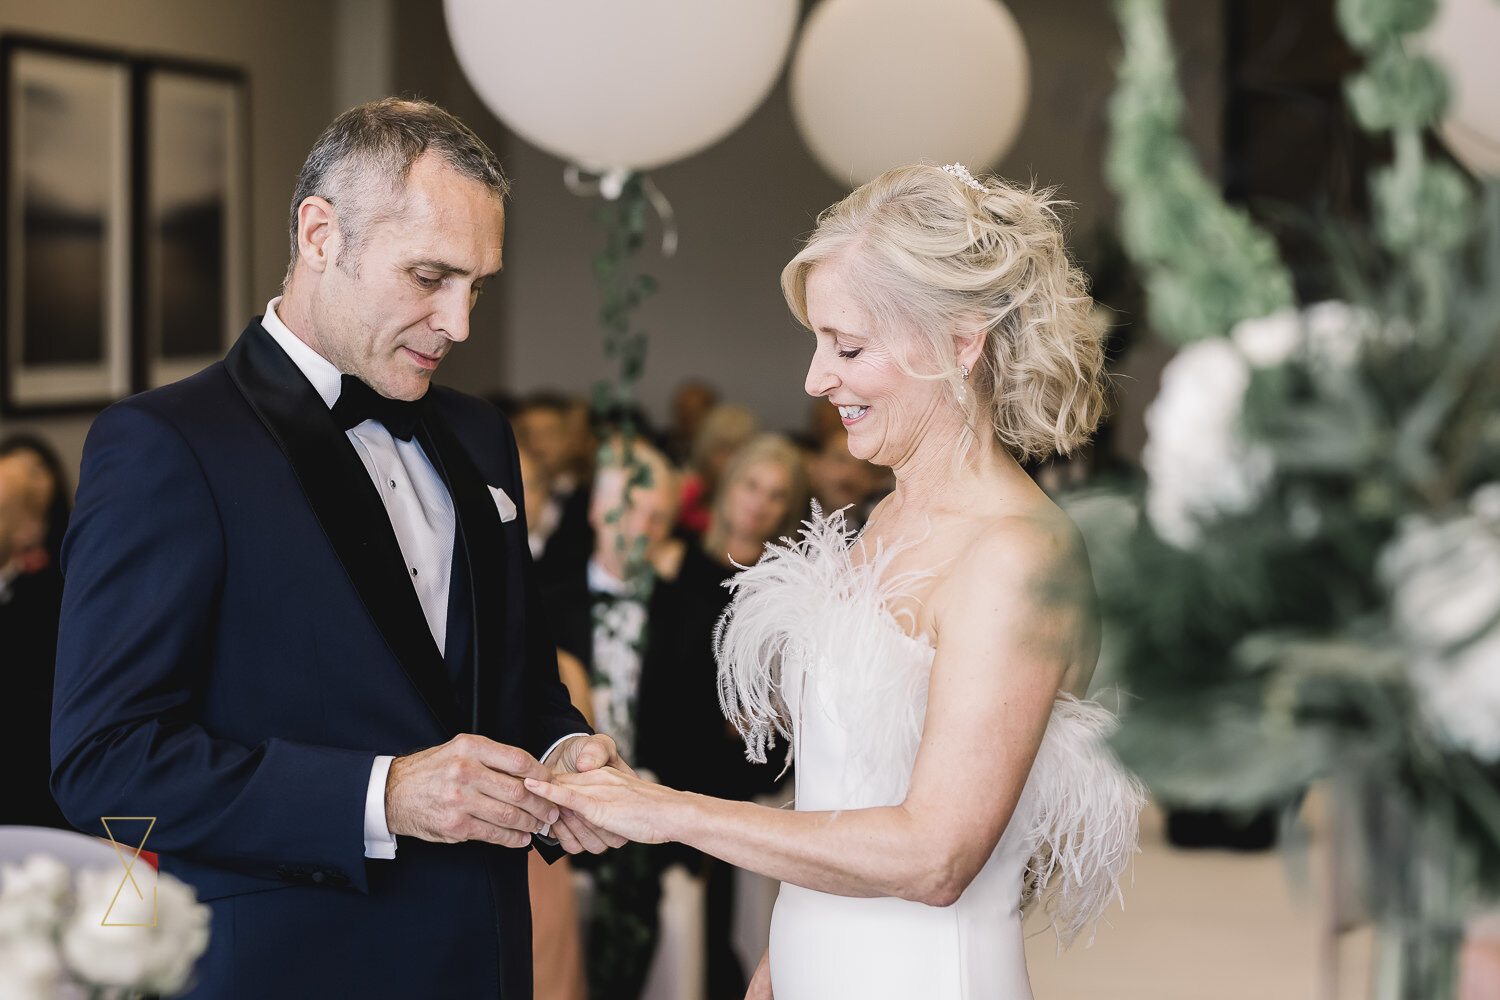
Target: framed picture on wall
point(195, 280)
point(66, 216)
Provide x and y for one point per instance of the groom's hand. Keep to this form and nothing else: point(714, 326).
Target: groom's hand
point(585, 753)
point(470, 788)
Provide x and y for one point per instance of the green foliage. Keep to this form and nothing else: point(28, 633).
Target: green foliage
point(1206, 265)
point(621, 292)
point(1368, 23)
point(1267, 655)
point(1398, 91)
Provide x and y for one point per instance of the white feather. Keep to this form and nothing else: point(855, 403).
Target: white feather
point(807, 609)
point(1080, 811)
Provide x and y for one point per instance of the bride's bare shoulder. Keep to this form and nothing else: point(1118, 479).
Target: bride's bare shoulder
point(1035, 556)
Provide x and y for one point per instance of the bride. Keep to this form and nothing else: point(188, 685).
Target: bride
point(929, 669)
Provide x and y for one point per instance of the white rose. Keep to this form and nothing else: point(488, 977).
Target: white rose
point(34, 894)
point(1199, 465)
point(152, 959)
point(1444, 578)
point(1268, 341)
point(29, 967)
point(1460, 696)
point(1329, 333)
point(1337, 333)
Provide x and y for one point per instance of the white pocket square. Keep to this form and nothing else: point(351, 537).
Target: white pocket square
point(503, 504)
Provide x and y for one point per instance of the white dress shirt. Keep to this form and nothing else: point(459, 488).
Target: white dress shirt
point(421, 513)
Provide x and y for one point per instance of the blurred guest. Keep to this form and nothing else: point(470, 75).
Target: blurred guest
point(724, 430)
point(560, 535)
point(582, 442)
point(690, 405)
point(762, 496)
point(839, 480)
point(682, 735)
point(33, 497)
point(61, 504)
point(602, 614)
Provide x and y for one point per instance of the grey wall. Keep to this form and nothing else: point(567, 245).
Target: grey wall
point(284, 47)
point(741, 206)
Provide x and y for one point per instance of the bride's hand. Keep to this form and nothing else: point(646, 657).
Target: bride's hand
point(612, 800)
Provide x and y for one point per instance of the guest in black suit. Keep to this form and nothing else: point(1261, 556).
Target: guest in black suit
point(300, 626)
point(33, 495)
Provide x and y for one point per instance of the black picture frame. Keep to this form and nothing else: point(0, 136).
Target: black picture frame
point(194, 236)
point(124, 239)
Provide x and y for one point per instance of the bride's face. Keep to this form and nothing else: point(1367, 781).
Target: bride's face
point(887, 412)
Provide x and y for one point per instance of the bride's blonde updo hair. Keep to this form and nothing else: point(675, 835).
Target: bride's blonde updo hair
point(934, 258)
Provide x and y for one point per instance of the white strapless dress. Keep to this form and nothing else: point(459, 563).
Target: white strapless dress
point(810, 651)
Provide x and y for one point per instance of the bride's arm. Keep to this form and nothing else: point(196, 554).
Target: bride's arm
point(1011, 618)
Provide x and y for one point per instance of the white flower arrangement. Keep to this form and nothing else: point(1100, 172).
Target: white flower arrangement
point(53, 933)
point(1199, 464)
point(1444, 581)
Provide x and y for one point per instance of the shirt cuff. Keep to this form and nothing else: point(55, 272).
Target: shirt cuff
point(558, 743)
point(546, 835)
point(379, 841)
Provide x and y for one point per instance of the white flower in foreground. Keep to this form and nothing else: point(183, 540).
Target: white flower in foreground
point(1444, 580)
point(33, 894)
point(1460, 696)
point(29, 967)
point(1444, 577)
point(1268, 341)
point(150, 959)
point(1199, 465)
point(1333, 334)
point(32, 897)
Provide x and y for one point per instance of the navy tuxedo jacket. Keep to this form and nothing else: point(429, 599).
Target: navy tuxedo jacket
point(240, 639)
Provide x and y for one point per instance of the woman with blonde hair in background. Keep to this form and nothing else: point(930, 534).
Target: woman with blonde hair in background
point(724, 430)
point(930, 670)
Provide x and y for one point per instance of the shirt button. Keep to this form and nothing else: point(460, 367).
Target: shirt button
point(414, 571)
point(393, 484)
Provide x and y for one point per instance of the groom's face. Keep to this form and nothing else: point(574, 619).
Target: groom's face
point(392, 316)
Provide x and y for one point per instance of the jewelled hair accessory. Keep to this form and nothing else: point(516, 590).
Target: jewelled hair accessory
point(962, 173)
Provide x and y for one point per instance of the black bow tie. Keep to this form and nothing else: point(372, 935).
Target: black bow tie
point(357, 403)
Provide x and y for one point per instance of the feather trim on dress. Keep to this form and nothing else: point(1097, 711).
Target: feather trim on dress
point(1081, 810)
point(807, 614)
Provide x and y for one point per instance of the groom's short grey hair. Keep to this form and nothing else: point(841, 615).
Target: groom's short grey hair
point(361, 162)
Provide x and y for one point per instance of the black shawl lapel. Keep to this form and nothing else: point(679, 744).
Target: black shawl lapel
point(347, 506)
point(483, 537)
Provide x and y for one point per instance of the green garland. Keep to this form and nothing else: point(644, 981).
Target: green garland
point(1268, 654)
point(621, 292)
point(1205, 266)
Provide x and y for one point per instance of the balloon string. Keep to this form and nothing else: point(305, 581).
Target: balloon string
point(610, 183)
point(664, 212)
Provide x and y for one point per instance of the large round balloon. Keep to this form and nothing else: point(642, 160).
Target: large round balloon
point(612, 84)
point(1463, 37)
point(880, 83)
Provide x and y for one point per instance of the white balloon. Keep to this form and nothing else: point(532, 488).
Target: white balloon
point(1465, 36)
point(881, 83)
point(611, 84)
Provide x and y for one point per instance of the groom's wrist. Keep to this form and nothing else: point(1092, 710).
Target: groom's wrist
point(557, 752)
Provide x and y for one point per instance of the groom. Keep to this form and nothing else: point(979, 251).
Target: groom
point(300, 627)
